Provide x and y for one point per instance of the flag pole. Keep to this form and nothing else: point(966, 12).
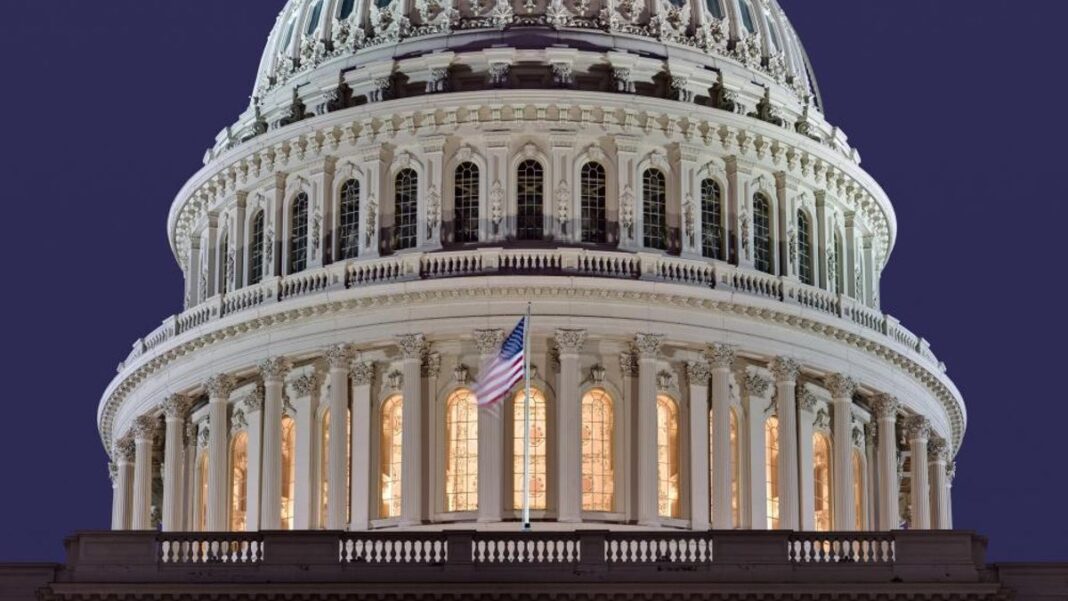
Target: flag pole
point(526, 422)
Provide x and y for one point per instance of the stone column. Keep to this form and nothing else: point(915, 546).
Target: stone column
point(807, 416)
point(274, 371)
point(886, 407)
point(937, 456)
point(124, 451)
point(363, 373)
point(721, 359)
point(338, 358)
point(219, 388)
point(569, 426)
point(648, 347)
point(174, 410)
point(786, 371)
point(253, 471)
point(306, 390)
point(413, 509)
point(491, 454)
point(842, 388)
point(755, 387)
point(144, 430)
point(951, 472)
point(919, 430)
point(628, 367)
point(697, 373)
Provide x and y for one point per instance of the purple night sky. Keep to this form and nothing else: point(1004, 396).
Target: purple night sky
point(109, 105)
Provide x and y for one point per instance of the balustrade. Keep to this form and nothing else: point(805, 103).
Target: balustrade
point(205, 548)
point(841, 548)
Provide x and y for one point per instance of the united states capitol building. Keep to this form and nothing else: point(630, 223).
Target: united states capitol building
point(720, 405)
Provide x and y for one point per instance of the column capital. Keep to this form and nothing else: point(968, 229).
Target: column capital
point(144, 428)
point(807, 400)
point(698, 373)
point(756, 384)
point(648, 345)
point(253, 401)
point(570, 342)
point(306, 384)
point(937, 451)
point(841, 386)
point(219, 386)
point(175, 406)
point(951, 472)
point(338, 356)
point(918, 427)
point(489, 341)
point(275, 368)
point(885, 405)
point(721, 356)
point(363, 372)
point(628, 364)
point(412, 346)
point(785, 369)
point(124, 449)
point(432, 365)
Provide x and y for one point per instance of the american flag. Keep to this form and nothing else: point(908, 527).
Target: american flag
point(498, 377)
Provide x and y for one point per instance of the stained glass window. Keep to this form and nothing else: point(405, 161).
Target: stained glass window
point(667, 455)
point(466, 202)
point(711, 219)
point(405, 209)
point(761, 233)
point(348, 222)
point(298, 236)
point(593, 193)
point(391, 457)
point(538, 449)
point(239, 482)
point(598, 471)
point(530, 199)
point(771, 470)
point(654, 209)
point(461, 459)
point(821, 479)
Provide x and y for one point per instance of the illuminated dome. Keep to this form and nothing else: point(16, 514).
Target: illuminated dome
point(702, 250)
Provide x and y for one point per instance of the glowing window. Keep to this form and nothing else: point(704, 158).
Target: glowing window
point(391, 457)
point(348, 224)
point(255, 256)
point(239, 482)
point(761, 233)
point(598, 473)
point(461, 453)
point(538, 449)
point(298, 234)
point(804, 249)
point(711, 219)
point(821, 480)
point(593, 191)
point(771, 470)
point(654, 209)
point(465, 199)
point(289, 468)
point(858, 490)
point(530, 194)
point(667, 454)
point(405, 209)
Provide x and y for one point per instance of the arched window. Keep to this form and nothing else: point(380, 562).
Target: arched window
point(711, 219)
point(239, 483)
point(255, 251)
point(838, 265)
point(598, 471)
point(821, 480)
point(390, 457)
point(667, 456)
point(771, 469)
point(539, 492)
point(715, 8)
point(859, 499)
point(298, 234)
point(346, 8)
point(461, 452)
point(289, 469)
point(313, 18)
point(202, 492)
point(530, 195)
point(804, 249)
point(761, 233)
point(405, 209)
point(654, 209)
point(747, 16)
point(224, 263)
point(593, 192)
point(465, 202)
point(348, 221)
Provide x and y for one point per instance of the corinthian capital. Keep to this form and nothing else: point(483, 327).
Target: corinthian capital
point(363, 372)
point(275, 368)
point(254, 400)
point(721, 356)
point(918, 427)
point(144, 428)
point(124, 448)
point(175, 406)
point(648, 345)
point(307, 383)
point(885, 406)
point(841, 386)
point(570, 341)
point(698, 372)
point(489, 341)
point(338, 356)
point(412, 346)
point(937, 450)
point(785, 369)
point(756, 384)
point(219, 386)
point(628, 364)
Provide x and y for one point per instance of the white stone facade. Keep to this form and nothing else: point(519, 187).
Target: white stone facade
point(660, 184)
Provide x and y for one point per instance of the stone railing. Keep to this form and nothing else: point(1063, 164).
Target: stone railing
point(822, 547)
point(560, 261)
point(205, 548)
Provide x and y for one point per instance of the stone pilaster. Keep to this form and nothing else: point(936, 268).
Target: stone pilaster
point(919, 431)
point(124, 452)
point(413, 497)
point(648, 347)
point(490, 438)
point(362, 374)
point(273, 371)
point(175, 408)
point(698, 374)
point(721, 359)
point(842, 388)
point(338, 358)
point(786, 371)
point(806, 417)
point(253, 408)
point(144, 431)
point(569, 426)
point(937, 457)
point(307, 389)
point(755, 397)
point(218, 388)
point(886, 407)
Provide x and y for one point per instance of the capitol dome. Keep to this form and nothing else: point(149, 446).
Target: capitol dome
point(701, 250)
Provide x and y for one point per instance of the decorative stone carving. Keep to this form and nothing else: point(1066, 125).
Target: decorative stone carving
point(951, 472)
point(918, 427)
point(885, 405)
point(823, 419)
point(563, 73)
point(363, 373)
point(721, 356)
point(498, 74)
point(113, 472)
point(394, 380)
point(626, 211)
point(563, 205)
point(689, 219)
point(219, 386)
point(339, 356)
point(698, 372)
point(648, 345)
point(144, 427)
point(489, 341)
point(667, 381)
point(841, 386)
point(275, 368)
point(203, 434)
point(371, 228)
point(496, 205)
point(756, 384)
point(807, 400)
point(308, 383)
point(785, 369)
point(460, 375)
point(597, 374)
point(570, 341)
point(238, 422)
point(124, 448)
point(412, 346)
point(624, 84)
point(433, 212)
point(937, 450)
point(432, 365)
point(175, 406)
point(747, 247)
point(253, 401)
point(858, 437)
point(628, 364)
